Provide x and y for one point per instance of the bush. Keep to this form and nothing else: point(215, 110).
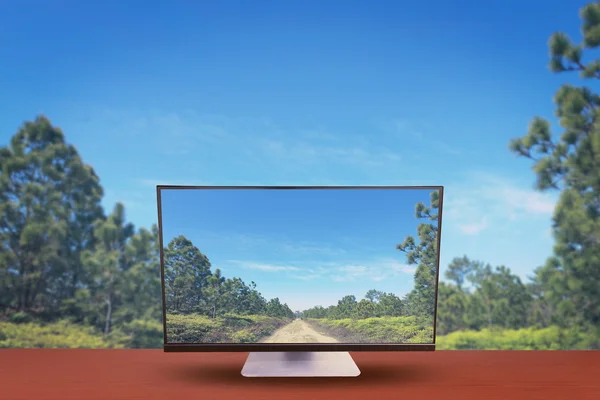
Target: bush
point(189, 328)
point(379, 330)
point(551, 338)
point(244, 336)
point(229, 328)
point(56, 335)
point(139, 334)
point(19, 318)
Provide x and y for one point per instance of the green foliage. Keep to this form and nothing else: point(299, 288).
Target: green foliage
point(452, 313)
point(142, 334)
point(19, 318)
point(551, 338)
point(229, 328)
point(244, 336)
point(276, 309)
point(191, 328)
point(364, 309)
point(108, 263)
point(375, 304)
point(60, 334)
point(493, 298)
point(409, 329)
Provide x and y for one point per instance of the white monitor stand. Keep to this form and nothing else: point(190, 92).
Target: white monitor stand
point(300, 364)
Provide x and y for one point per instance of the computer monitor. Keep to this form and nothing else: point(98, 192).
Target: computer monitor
point(299, 276)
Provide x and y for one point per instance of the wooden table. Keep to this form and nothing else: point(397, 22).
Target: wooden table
point(442, 375)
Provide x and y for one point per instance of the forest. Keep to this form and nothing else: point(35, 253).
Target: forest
point(75, 275)
point(203, 306)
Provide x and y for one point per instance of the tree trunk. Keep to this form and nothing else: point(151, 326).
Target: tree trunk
point(26, 293)
point(20, 288)
point(74, 281)
point(489, 313)
point(107, 326)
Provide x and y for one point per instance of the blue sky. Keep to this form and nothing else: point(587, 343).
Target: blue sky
point(306, 247)
point(299, 92)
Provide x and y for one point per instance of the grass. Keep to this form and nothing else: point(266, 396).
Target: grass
point(229, 328)
point(377, 330)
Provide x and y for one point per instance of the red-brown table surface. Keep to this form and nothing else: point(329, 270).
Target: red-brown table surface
point(151, 374)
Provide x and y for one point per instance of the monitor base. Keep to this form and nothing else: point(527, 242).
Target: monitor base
point(300, 364)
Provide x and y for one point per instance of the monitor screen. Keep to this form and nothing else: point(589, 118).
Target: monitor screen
point(302, 266)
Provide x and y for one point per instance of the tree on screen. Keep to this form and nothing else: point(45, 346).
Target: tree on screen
point(277, 309)
point(388, 304)
point(214, 293)
point(365, 309)
point(245, 299)
point(186, 274)
point(570, 163)
point(423, 254)
point(374, 295)
point(346, 306)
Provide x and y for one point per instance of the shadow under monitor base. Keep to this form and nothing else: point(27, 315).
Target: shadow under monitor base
point(300, 364)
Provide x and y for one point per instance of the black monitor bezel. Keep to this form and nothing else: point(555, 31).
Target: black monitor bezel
point(288, 347)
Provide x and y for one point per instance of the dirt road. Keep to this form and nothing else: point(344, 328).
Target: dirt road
point(298, 331)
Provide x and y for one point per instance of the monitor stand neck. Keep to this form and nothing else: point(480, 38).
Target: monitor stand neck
point(300, 364)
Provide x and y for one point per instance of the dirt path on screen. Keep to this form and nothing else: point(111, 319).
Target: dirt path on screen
point(298, 331)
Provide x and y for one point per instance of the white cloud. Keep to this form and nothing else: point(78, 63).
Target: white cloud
point(415, 130)
point(473, 228)
point(256, 139)
point(522, 200)
point(304, 248)
point(308, 277)
point(353, 269)
point(342, 278)
point(487, 201)
point(379, 278)
point(276, 243)
point(264, 267)
point(375, 271)
point(130, 199)
point(404, 268)
point(305, 152)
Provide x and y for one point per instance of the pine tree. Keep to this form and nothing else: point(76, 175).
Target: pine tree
point(423, 253)
point(570, 163)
